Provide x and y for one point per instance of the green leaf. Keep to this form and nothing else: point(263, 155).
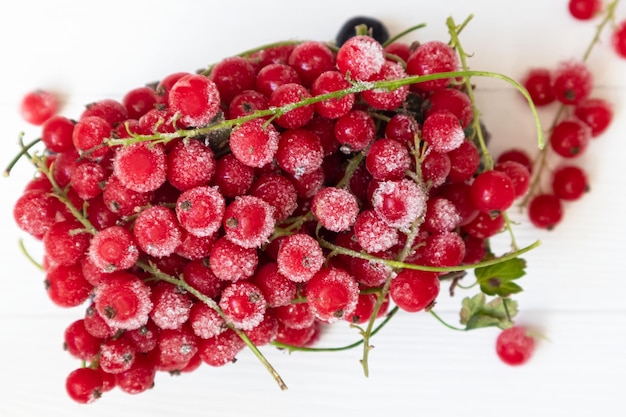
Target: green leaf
point(476, 312)
point(497, 279)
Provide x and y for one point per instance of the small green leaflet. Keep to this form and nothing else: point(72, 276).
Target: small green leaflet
point(498, 279)
point(477, 312)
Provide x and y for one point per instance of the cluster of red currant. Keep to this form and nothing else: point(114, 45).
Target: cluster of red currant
point(579, 119)
point(274, 193)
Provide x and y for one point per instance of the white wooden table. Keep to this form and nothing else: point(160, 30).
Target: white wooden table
point(574, 288)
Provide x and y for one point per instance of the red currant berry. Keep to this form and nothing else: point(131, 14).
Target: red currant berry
point(441, 215)
point(514, 346)
point(618, 39)
point(221, 349)
point(88, 180)
point(332, 294)
point(175, 349)
point(299, 257)
point(113, 249)
point(492, 191)
point(139, 101)
point(248, 221)
point(35, 212)
point(139, 378)
point(288, 94)
point(205, 322)
point(518, 174)
point(295, 316)
point(121, 200)
point(277, 289)
point(170, 305)
point(123, 301)
point(254, 143)
point(310, 59)
point(66, 242)
point(232, 177)
point(383, 99)
point(538, 82)
point(195, 98)
point(387, 159)
point(198, 274)
point(413, 290)
point(354, 131)
point(442, 131)
point(569, 182)
point(453, 101)
point(190, 164)
point(464, 162)
point(38, 106)
point(485, 225)
point(517, 155)
point(247, 102)
point(243, 304)
point(140, 166)
point(399, 203)
point(89, 135)
point(329, 82)
point(572, 82)
point(231, 262)
point(430, 58)
point(157, 231)
point(335, 208)
point(108, 109)
point(84, 385)
point(56, 133)
point(116, 355)
point(570, 138)
point(584, 9)
point(373, 234)
point(79, 343)
point(360, 57)
point(271, 76)
point(597, 113)
point(279, 192)
point(545, 211)
point(299, 152)
point(435, 168)
point(403, 128)
point(233, 75)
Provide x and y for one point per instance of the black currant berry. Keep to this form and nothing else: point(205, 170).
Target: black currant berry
point(379, 31)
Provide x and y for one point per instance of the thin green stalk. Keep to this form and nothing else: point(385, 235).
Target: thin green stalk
point(403, 33)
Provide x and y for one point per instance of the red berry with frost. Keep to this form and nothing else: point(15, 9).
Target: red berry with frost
point(354, 131)
point(597, 113)
point(299, 257)
point(454, 101)
point(221, 349)
point(485, 225)
point(569, 182)
point(570, 138)
point(387, 99)
point(442, 131)
point(35, 212)
point(116, 355)
point(96, 325)
point(144, 338)
point(435, 168)
point(538, 83)
point(84, 385)
point(194, 247)
point(140, 166)
point(190, 164)
point(399, 203)
point(400, 49)
point(231, 76)
point(277, 289)
point(572, 82)
point(431, 58)
point(370, 273)
point(254, 143)
point(113, 249)
point(295, 315)
point(388, 159)
point(123, 301)
point(308, 185)
point(441, 215)
point(335, 208)
point(157, 231)
point(332, 294)
point(363, 310)
point(360, 57)
point(515, 346)
point(198, 274)
point(121, 200)
point(170, 305)
point(108, 109)
point(243, 304)
point(402, 127)
point(584, 9)
point(66, 242)
point(56, 133)
point(271, 76)
point(442, 249)
point(231, 262)
point(310, 59)
point(373, 234)
point(38, 106)
point(79, 343)
point(175, 349)
point(328, 82)
point(265, 332)
point(196, 100)
point(492, 191)
point(88, 180)
point(299, 152)
point(205, 322)
point(413, 290)
point(139, 378)
point(200, 210)
point(89, 137)
point(545, 211)
point(286, 95)
point(232, 177)
point(278, 191)
point(296, 337)
point(246, 103)
point(248, 221)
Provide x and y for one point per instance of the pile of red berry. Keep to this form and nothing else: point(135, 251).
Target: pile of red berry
point(276, 192)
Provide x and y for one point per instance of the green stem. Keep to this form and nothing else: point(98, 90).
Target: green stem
point(442, 321)
point(608, 17)
point(456, 43)
point(356, 87)
point(179, 282)
point(23, 152)
point(28, 256)
point(403, 33)
point(402, 265)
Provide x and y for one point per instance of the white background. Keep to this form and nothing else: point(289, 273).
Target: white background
point(574, 289)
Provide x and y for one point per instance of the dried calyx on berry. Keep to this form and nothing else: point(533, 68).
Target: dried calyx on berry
point(315, 185)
